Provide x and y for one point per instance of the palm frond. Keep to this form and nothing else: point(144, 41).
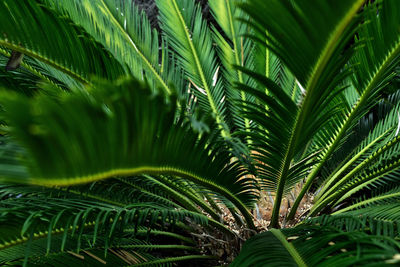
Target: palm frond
point(22, 80)
point(373, 63)
point(234, 49)
point(189, 36)
point(309, 245)
point(127, 132)
point(37, 31)
point(383, 133)
point(33, 73)
point(375, 163)
point(58, 222)
point(357, 221)
point(386, 197)
point(127, 35)
point(310, 42)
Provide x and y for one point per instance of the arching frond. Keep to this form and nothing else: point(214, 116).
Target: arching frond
point(381, 134)
point(127, 34)
point(46, 224)
point(35, 30)
point(310, 41)
point(374, 63)
point(374, 162)
point(127, 132)
point(189, 36)
point(317, 246)
point(369, 222)
point(234, 49)
point(32, 73)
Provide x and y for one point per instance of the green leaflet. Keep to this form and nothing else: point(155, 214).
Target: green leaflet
point(127, 132)
point(188, 34)
point(374, 64)
point(315, 61)
point(26, 27)
point(310, 245)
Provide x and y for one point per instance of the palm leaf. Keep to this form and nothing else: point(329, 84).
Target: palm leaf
point(33, 73)
point(127, 34)
point(238, 53)
point(374, 162)
point(381, 134)
point(317, 246)
point(47, 221)
point(374, 64)
point(128, 132)
point(386, 197)
point(190, 38)
point(370, 222)
point(39, 32)
point(22, 81)
point(309, 40)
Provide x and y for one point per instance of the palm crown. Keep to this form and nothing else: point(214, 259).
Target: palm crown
point(123, 145)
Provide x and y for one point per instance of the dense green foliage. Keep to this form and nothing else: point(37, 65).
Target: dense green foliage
point(124, 145)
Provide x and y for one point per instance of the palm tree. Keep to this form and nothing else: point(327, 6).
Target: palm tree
point(123, 145)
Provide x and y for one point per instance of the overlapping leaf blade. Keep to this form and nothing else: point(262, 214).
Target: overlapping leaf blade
point(37, 31)
point(126, 132)
point(310, 41)
point(310, 245)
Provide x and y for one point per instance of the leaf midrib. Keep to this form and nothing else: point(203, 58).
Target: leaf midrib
point(320, 66)
point(147, 170)
point(348, 118)
point(289, 247)
point(365, 202)
point(349, 163)
point(33, 70)
point(349, 189)
point(130, 41)
point(237, 60)
point(200, 70)
point(44, 59)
